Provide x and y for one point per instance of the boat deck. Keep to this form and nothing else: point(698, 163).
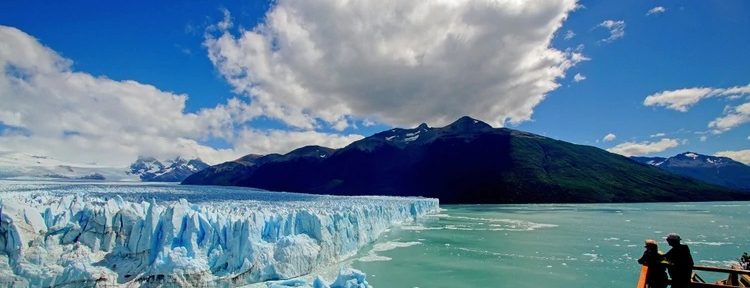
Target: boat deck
point(735, 278)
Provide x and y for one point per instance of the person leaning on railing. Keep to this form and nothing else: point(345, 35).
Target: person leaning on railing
point(656, 277)
point(680, 262)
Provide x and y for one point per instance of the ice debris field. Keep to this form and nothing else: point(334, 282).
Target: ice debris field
point(130, 235)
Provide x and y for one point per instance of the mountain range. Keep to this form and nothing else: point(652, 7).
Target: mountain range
point(721, 171)
point(24, 165)
point(467, 161)
point(149, 169)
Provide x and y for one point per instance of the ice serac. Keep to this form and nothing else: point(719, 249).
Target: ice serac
point(82, 239)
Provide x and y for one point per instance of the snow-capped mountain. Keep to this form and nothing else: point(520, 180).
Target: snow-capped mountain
point(23, 165)
point(175, 170)
point(711, 169)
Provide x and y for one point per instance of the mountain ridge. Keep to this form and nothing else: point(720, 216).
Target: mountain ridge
point(150, 169)
point(717, 170)
point(467, 161)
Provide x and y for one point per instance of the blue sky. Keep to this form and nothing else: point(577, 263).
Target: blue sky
point(202, 50)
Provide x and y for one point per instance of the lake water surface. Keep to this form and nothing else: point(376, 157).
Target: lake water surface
point(590, 245)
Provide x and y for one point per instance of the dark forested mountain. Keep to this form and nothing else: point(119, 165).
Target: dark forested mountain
point(710, 169)
point(467, 161)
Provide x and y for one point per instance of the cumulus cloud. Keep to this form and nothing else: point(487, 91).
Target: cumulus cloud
point(739, 155)
point(609, 137)
point(616, 29)
point(397, 62)
point(78, 117)
point(733, 117)
point(656, 10)
point(682, 99)
point(282, 141)
point(579, 77)
point(644, 148)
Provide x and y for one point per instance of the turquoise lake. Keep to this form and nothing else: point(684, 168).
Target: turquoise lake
point(588, 245)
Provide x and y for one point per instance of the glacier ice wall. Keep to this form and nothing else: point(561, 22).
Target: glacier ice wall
point(81, 237)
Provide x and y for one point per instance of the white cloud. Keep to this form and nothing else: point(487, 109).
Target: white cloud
point(62, 109)
point(703, 138)
point(569, 34)
point(280, 141)
point(609, 137)
point(77, 117)
point(579, 77)
point(656, 10)
point(644, 148)
point(576, 54)
point(660, 134)
point(735, 116)
point(739, 155)
point(679, 100)
point(682, 99)
point(616, 29)
point(397, 62)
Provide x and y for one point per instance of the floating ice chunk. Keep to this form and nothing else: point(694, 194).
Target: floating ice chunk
point(372, 256)
point(289, 283)
point(350, 278)
point(390, 245)
point(347, 278)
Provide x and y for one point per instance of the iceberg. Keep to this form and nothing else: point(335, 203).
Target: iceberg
point(347, 278)
point(55, 234)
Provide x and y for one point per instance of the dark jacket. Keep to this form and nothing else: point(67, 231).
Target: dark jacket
point(680, 265)
point(657, 275)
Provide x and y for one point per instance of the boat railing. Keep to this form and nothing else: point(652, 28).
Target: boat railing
point(736, 278)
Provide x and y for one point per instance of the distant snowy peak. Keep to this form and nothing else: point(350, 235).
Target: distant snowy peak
point(688, 159)
point(691, 155)
point(711, 169)
point(151, 169)
point(146, 165)
point(692, 159)
point(463, 128)
point(405, 135)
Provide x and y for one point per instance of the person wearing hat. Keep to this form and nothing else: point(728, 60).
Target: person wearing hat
point(680, 262)
point(656, 276)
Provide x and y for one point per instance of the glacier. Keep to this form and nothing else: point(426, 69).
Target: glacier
point(100, 234)
point(17, 165)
